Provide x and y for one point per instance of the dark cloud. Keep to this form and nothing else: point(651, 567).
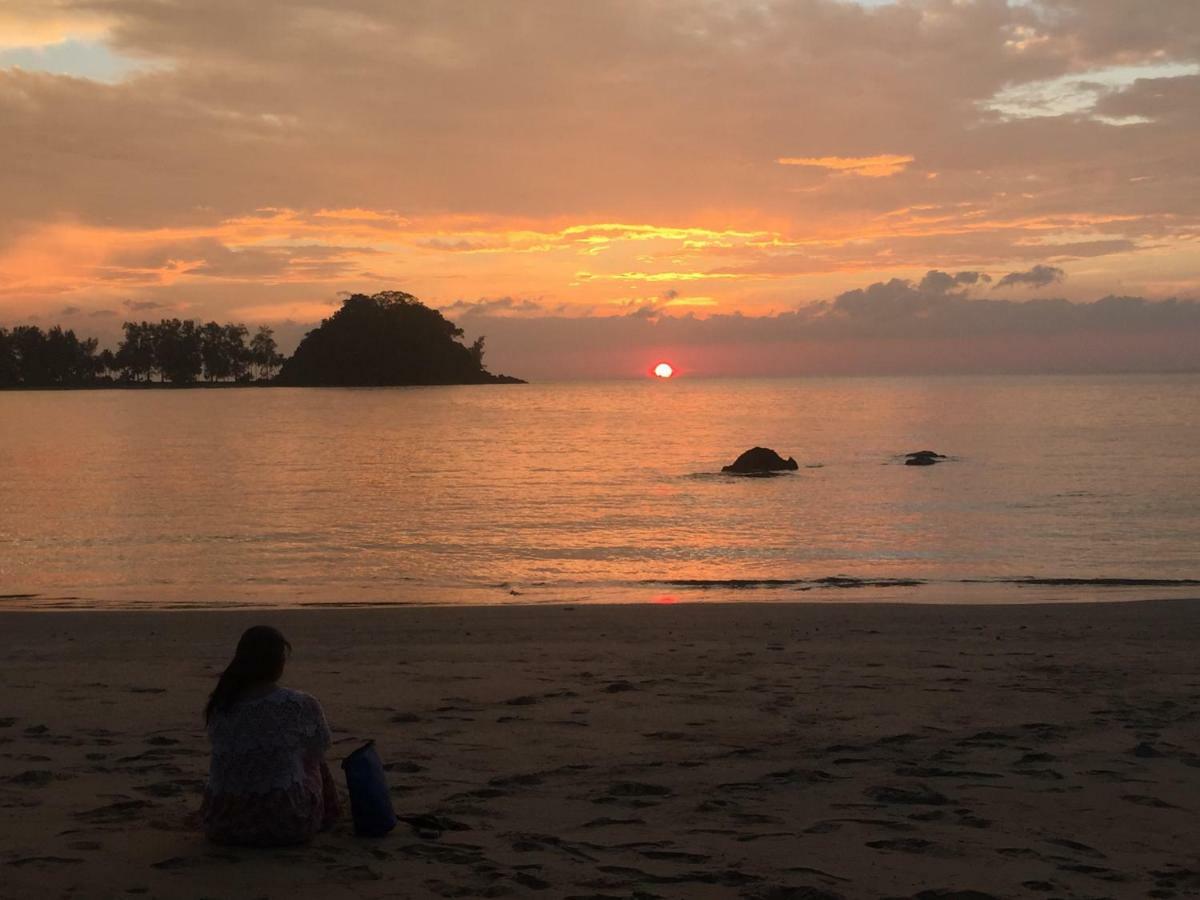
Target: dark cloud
point(897, 325)
point(1154, 98)
point(454, 245)
point(936, 282)
point(70, 311)
point(311, 262)
point(1038, 276)
point(495, 306)
point(972, 278)
point(143, 305)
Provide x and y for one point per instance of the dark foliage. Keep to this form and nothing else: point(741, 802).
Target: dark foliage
point(386, 339)
point(264, 353)
point(30, 357)
point(183, 351)
point(389, 338)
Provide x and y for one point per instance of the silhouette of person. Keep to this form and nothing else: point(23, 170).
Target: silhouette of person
point(268, 783)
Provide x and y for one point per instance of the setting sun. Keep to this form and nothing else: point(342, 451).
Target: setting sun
point(664, 370)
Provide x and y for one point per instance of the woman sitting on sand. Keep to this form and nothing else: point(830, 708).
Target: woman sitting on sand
point(268, 784)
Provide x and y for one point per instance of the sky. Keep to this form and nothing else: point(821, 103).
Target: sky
point(741, 186)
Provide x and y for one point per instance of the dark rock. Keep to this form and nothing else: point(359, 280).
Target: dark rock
point(757, 460)
point(923, 458)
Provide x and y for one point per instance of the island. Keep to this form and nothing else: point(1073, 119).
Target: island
point(385, 339)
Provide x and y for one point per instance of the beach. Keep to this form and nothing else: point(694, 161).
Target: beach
point(764, 751)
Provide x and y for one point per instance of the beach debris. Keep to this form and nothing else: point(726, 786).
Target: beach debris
point(760, 461)
point(923, 458)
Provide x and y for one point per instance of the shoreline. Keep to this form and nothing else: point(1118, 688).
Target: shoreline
point(701, 750)
point(967, 594)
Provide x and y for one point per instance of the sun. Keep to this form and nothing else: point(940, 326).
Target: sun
point(664, 370)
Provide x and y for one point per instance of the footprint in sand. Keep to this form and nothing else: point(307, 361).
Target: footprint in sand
point(113, 813)
point(45, 861)
point(31, 778)
point(903, 845)
point(920, 795)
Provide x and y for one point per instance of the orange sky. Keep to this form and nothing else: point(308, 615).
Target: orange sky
point(653, 160)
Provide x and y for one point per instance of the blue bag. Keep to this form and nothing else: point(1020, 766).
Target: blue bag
point(370, 802)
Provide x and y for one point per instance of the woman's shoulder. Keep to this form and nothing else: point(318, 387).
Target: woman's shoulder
point(299, 698)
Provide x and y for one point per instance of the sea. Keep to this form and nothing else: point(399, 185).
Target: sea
point(1056, 488)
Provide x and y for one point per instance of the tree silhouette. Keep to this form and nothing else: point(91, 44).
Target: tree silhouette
point(9, 365)
point(236, 352)
point(30, 357)
point(212, 352)
point(264, 352)
point(135, 355)
point(388, 338)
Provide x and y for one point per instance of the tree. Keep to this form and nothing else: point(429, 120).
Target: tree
point(9, 370)
point(108, 361)
point(237, 353)
point(30, 357)
point(30, 346)
point(213, 352)
point(264, 353)
point(177, 350)
point(135, 355)
point(388, 338)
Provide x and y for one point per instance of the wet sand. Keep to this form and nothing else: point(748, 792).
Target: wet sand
point(769, 752)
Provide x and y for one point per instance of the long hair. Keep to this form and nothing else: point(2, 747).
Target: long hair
point(259, 657)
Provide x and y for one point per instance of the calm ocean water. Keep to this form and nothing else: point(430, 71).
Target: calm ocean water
point(602, 491)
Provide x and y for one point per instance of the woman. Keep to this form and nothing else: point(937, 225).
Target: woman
point(268, 784)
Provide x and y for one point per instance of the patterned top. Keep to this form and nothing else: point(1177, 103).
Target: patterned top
point(267, 782)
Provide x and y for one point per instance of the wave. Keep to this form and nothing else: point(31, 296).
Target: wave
point(845, 581)
point(836, 581)
point(1089, 582)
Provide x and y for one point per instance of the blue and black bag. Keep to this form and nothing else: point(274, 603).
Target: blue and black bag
point(370, 802)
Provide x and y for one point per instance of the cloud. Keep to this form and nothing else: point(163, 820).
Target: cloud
point(865, 166)
point(936, 282)
point(1038, 276)
point(588, 152)
point(897, 325)
point(143, 305)
point(495, 306)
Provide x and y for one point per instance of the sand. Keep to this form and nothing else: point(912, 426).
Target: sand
point(689, 751)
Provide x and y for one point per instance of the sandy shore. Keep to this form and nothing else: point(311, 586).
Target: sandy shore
point(691, 751)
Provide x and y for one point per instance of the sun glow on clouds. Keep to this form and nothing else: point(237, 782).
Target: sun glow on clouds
point(297, 260)
point(865, 166)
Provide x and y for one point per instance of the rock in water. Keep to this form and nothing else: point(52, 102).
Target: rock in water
point(760, 459)
point(923, 458)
